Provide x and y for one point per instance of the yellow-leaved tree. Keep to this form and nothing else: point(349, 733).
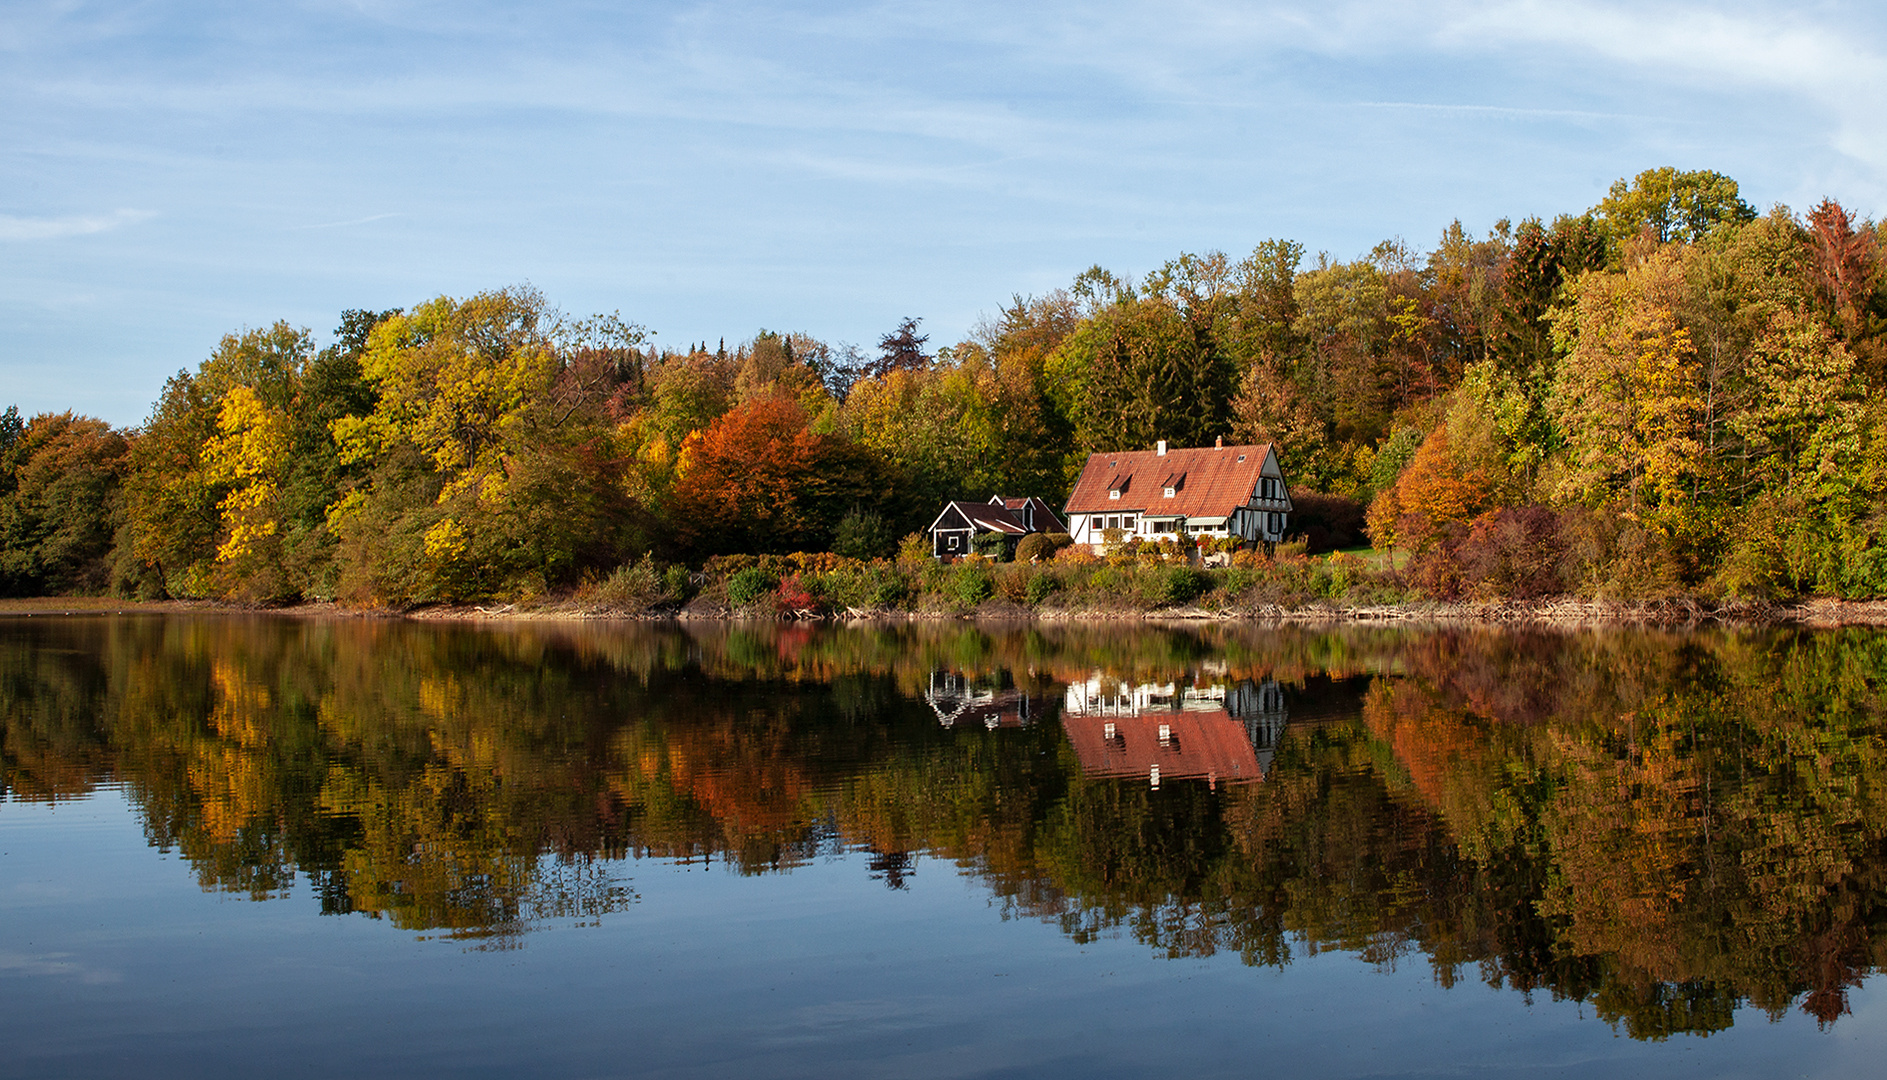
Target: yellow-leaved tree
point(493, 463)
point(1625, 396)
point(247, 458)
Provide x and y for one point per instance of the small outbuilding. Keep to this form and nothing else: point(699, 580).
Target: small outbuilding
point(955, 530)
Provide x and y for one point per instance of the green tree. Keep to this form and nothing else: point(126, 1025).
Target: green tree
point(1672, 205)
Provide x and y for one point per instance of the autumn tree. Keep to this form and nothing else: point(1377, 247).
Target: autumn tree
point(1670, 204)
point(58, 503)
point(493, 462)
point(758, 479)
point(175, 496)
point(1625, 395)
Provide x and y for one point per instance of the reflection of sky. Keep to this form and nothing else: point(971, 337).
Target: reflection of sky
point(172, 172)
point(820, 971)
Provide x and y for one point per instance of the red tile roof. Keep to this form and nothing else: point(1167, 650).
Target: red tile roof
point(1210, 481)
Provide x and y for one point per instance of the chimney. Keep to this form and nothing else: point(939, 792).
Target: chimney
point(1159, 448)
point(1218, 443)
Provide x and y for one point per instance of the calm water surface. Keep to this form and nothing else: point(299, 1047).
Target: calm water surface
point(254, 846)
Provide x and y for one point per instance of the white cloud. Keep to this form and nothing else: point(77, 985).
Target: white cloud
point(1838, 70)
point(53, 228)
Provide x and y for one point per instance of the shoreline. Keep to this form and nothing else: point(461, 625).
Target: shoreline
point(1818, 613)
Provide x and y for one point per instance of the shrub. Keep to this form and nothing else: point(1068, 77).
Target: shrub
point(635, 586)
point(1169, 586)
point(746, 586)
point(1035, 546)
point(1332, 578)
point(1076, 555)
point(1514, 553)
point(1041, 586)
point(1012, 584)
point(1109, 579)
point(970, 586)
point(678, 583)
point(914, 550)
point(867, 587)
point(795, 594)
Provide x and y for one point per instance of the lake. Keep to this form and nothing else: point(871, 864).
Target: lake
point(235, 846)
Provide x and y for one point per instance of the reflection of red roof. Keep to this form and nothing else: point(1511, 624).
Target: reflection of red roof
point(1201, 744)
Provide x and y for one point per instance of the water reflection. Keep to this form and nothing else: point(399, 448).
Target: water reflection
point(1663, 825)
point(1204, 728)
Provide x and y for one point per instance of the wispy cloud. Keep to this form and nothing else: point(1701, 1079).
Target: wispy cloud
point(345, 224)
point(1844, 74)
point(53, 228)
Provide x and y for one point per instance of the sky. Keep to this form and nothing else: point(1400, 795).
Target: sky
point(173, 172)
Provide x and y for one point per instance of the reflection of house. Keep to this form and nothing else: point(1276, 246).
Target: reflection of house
point(960, 699)
point(1168, 731)
point(957, 528)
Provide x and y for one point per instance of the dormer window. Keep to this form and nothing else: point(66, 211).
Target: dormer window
point(1169, 492)
point(1114, 493)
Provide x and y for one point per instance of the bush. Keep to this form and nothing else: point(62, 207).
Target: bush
point(636, 586)
point(970, 586)
point(1513, 554)
point(796, 594)
point(746, 586)
point(1012, 584)
point(914, 550)
point(1169, 586)
point(678, 583)
point(867, 587)
point(1035, 546)
point(1041, 587)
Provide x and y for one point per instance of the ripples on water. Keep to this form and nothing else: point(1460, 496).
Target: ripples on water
point(1661, 828)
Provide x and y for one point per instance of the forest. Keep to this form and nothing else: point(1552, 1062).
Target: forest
point(1667, 394)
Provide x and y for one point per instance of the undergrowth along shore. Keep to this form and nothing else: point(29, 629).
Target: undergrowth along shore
point(1139, 582)
point(1127, 585)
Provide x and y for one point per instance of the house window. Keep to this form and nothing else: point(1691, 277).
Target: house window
point(1127, 523)
point(1275, 522)
point(1169, 493)
point(1113, 493)
point(1113, 523)
point(951, 542)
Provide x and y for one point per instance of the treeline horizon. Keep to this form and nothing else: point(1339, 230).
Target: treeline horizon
point(1665, 394)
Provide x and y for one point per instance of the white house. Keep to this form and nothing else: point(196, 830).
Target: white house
point(1172, 493)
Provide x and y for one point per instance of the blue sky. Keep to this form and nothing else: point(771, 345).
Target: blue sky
point(171, 172)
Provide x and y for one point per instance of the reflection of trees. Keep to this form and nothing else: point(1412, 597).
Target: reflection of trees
point(1637, 820)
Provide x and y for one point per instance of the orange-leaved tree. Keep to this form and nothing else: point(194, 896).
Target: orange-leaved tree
point(759, 479)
